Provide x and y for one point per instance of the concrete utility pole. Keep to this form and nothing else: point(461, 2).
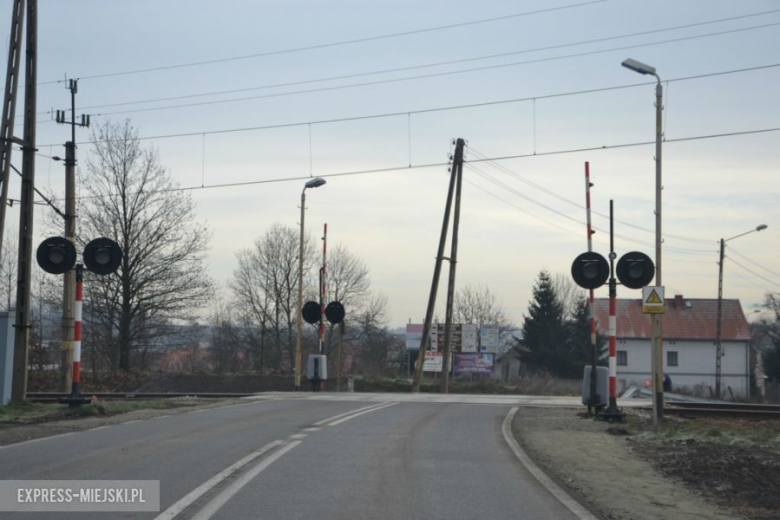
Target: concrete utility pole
point(21, 341)
point(425, 340)
point(69, 281)
point(719, 332)
point(313, 183)
point(9, 109)
point(445, 381)
point(658, 351)
point(657, 342)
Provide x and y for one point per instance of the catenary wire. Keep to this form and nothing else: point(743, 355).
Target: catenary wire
point(406, 113)
point(306, 177)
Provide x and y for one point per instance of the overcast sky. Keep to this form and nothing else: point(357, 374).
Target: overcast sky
point(519, 215)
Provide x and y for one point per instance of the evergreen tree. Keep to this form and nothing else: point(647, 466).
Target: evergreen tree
point(771, 329)
point(544, 343)
point(580, 347)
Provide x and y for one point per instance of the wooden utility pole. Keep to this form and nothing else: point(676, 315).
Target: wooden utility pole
point(22, 336)
point(458, 166)
point(69, 281)
point(425, 340)
point(9, 109)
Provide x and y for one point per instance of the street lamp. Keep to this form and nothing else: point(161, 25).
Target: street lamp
point(313, 183)
point(657, 339)
point(719, 333)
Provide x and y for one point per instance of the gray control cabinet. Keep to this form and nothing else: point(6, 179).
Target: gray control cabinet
point(6, 355)
point(317, 368)
point(602, 386)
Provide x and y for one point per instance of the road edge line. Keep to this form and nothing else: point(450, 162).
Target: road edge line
point(216, 503)
point(188, 499)
point(557, 491)
point(350, 412)
point(347, 418)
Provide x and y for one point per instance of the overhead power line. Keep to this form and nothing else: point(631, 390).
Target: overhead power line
point(552, 193)
point(732, 250)
point(433, 74)
point(426, 65)
point(569, 217)
point(749, 270)
point(745, 278)
point(333, 44)
point(443, 108)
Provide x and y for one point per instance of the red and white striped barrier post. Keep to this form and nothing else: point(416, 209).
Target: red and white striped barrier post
point(612, 409)
point(323, 278)
point(612, 344)
point(594, 401)
point(77, 313)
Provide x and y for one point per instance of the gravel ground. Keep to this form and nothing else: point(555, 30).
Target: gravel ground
point(625, 474)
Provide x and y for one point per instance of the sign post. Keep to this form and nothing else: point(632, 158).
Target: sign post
point(653, 300)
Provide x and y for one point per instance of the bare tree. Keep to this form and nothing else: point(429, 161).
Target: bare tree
point(476, 304)
point(348, 280)
point(162, 277)
point(8, 265)
point(227, 350)
point(569, 295)
point(265, 288)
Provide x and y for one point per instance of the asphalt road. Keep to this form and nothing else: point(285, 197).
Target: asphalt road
point(323, 459)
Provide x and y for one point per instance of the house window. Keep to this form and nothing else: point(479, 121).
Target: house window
point(671, 358)
point(622, 358)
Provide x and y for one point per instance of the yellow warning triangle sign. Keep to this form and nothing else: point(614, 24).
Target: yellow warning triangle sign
point(653, 298)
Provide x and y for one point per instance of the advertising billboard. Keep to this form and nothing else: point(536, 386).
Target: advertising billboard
point(434, 362)
point(489, 338)
point(413, 336)
point(482, 363)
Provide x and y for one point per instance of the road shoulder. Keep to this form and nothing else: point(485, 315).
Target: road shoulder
point(603, 471)
point(14, 433)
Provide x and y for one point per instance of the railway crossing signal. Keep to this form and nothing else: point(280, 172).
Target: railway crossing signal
point(56, 255)
point(590, 270)
point(635, 270)
point(102, 256)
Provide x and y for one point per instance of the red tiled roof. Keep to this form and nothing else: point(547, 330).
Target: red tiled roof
point(684, 318)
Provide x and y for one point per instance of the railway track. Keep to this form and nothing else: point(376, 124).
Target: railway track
point(743, 410)
point(53, 397)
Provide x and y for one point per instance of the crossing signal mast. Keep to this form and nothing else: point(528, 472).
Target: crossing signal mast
point(591, 270)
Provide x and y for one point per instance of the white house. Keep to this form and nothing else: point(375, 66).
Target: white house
point(689, 333)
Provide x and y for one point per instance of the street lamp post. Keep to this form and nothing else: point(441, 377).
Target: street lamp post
point(719, 333)
point(657, 338)
point(313, 183)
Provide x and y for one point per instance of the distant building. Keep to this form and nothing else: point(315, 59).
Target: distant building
point(689, 336)
point(507, 362)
